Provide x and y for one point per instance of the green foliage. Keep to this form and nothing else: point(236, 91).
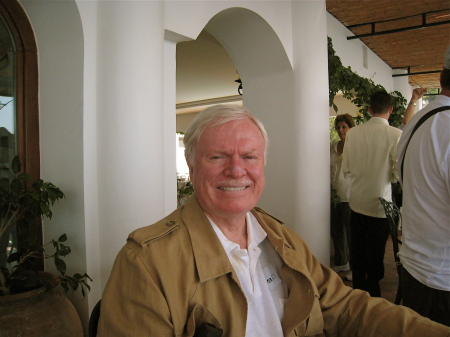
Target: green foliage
point(22, 206)
point(184, 190)
point(334, 137)
point(358, 89)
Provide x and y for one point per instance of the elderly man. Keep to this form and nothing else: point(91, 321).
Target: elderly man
point(219, 266)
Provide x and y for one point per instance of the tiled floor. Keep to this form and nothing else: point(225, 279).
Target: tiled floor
point(389, 283)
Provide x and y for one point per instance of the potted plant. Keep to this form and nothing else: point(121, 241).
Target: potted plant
point(22, 204)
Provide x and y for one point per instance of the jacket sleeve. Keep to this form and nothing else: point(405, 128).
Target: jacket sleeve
point(349, 312)
point(132, 303)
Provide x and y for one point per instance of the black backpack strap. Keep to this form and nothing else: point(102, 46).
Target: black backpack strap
point(419, 123)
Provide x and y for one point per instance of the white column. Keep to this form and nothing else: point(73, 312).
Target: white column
point(130, 119)
point(312, 128)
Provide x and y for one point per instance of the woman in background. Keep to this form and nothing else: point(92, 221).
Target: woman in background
point(340, 214)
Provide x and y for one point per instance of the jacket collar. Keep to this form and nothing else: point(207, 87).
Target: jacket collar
point(378, 120)
point(210, 257)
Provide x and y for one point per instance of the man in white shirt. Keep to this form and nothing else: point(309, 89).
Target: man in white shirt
point(370, 156)
point(425, 253)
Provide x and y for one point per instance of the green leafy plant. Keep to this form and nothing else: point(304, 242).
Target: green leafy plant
point(184, 190)
point(22, 204)
point(358, 89)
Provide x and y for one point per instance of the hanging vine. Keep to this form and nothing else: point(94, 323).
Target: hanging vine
point(358, 89)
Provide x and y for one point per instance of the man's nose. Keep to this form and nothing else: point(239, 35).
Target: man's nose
point(235, 168)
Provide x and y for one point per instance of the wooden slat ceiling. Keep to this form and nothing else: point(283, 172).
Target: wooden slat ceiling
point(421, 49)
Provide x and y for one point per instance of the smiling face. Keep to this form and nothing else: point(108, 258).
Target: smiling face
point(228, 168)
point(342, 129)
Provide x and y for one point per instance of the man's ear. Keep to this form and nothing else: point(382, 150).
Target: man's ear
point(391, 109)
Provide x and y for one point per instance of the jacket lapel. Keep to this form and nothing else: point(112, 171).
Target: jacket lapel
point(300, 302)
point(210, 258)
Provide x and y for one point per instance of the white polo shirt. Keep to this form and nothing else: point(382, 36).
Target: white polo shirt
point(258, 271)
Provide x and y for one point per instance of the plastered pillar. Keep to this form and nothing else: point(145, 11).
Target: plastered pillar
point(130, 122)
point(312, 186)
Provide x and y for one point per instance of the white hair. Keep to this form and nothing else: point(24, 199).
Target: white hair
point(214, 116)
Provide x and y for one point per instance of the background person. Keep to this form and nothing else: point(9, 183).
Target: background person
point(221, 261)
point(425, 253)
point(370, 157)
point(340, 215)
point(409, 112)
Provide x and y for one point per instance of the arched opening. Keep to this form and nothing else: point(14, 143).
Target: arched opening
point(266, 73)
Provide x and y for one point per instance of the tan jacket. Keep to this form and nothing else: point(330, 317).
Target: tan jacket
point(175, 274)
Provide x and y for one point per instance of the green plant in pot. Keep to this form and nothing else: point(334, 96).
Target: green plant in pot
point(22, 204)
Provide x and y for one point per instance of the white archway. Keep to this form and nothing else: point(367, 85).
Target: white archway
point(267, 77)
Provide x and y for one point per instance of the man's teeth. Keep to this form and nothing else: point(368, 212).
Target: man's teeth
point(223, 188)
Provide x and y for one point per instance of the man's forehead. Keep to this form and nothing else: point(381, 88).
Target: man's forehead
point(242, 127)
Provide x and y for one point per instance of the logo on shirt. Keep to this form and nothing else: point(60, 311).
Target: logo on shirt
point(272, 278)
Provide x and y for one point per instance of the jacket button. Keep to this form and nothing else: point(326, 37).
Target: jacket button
point(170, 223)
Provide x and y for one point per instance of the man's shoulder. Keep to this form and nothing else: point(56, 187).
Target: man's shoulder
point(144, 236)
point(439, 102)
point(379, 123)
point(395, 131)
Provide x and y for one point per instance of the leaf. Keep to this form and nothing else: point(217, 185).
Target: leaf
point(62, 238)
point(86, 275)
point(60, 265)
point(37, 184)
point(86, 285)
point(77, 277)
point(45, 210)
point(64, 250)
point(34, 196)
point(16, 187)
point(15, 165)
point(72, 283)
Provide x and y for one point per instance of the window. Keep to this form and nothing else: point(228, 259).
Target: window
point(19, 120)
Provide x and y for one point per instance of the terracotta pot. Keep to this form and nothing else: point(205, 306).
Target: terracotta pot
point(40, 312)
